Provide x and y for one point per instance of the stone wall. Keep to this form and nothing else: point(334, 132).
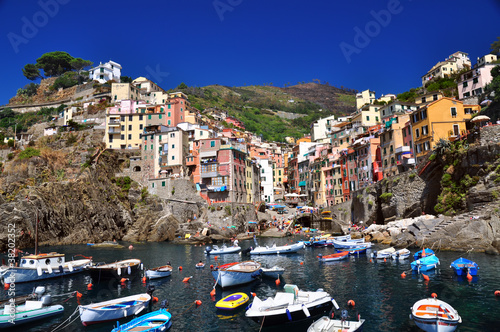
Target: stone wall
point(490, 135)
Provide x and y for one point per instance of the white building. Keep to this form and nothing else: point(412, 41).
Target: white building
point(266, 180)
point(106, 72)
point(321, 129)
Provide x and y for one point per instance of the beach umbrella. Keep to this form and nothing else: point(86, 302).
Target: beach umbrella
point(480, 118)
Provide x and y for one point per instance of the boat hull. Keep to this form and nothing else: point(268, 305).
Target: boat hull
point(296, 315)
point(222, 251)
point(277, 249)
point(272, 273)
point(22, 317)
point(99, 273)
point(148, 322)
point(20, 274)
point(112, 310)
point(157, 274)
point(229, 278)
point(431, 325)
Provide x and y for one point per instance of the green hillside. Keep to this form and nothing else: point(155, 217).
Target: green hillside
point(258, 106)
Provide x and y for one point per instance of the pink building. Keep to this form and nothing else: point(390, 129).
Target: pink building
point(472, 82)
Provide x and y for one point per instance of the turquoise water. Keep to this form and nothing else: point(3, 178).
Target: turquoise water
point(382, 297)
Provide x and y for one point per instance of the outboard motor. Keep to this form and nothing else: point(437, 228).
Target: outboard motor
point(39, 291)
point(46, 300)
point(150, 290)
point(208, 249)
point(344, 315)
point(164, 304)
point(374, 253)
point(247, 250)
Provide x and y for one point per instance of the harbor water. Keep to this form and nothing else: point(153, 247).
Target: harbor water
point(382, 297)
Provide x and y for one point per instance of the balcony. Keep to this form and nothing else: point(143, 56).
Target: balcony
point(115, 130)
point(113, 123)
point(402, 149)
point(209, 174)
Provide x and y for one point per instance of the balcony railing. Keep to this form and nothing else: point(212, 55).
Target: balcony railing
point(402, 149)
point(114, 130)
point(114, 123)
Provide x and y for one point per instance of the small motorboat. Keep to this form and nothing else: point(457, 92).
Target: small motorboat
point(325, 324)
point(354, 251)
point(232, 301)
point(159, 272)
point(274, 272)
point(292, 305)
point(401, 254)
point(106, 244)
point(128, 268)
point(236, 273)
point(113, 309)
point(425, 263)
point(274, 249)
point(463, 266)
point(422, 253)
point(434, 315)
point(43, 266)
point(383, 254)
point(350, 244)
point(200, 265)
point(39, 307)
point(156, 321)
point(216, 250)
point(333, 257)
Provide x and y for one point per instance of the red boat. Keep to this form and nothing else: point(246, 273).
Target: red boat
point(333, 257)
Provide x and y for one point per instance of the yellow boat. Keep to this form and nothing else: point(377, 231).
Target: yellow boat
point(232, 301)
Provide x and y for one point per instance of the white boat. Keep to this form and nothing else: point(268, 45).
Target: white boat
point(159, 272)
point(325, 324)
point(289, 306)
point(237, 273)
point(43, 266)
point(274, 249)
point(128, 268)
point(13, 315)
point(383, 254)
point(350, 244)
point(433, 315)
point(113, 309)
point(273, 272)
point(401, 254)
point(216, 250)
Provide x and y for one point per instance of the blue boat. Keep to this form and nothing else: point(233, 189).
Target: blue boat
point(462, 266)
point(156, 321)
point(419, 254)
point(425, 263)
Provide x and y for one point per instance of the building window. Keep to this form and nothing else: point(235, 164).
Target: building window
point(173, 146)
point(140, 126)
point(417, 133)
point(423, 99)
point(169, 106)
point(474, 80)
point(173, 157)
point(367, 118)
point(453, 112)
point(130, 118)
point(140, 117)
point(163, 183)
point(425, 130)
point(122, 136)
point(123, 127)
point(465, 84)
point(212, 145)
point(168, 122)
point(434, 97)
point(129, 127)
point(168, 114)
point(129, 136)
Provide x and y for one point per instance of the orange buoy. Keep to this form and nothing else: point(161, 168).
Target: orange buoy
point(254, 294)
point(198, 302)
point(351, 303)
point(216, 258)
point(144, 280)
point(79, 295)
point(186, 279)
point(385, 260)
point(469, 277)
point(371, 260)
point(426, 277)
point(434, 295)
point(403, 275)
point(212, 293)
point(497, 293)
point(211, 266)
point(6, 286)
point(278, 282)
point(122, 280)
point(89, 286)
point(130, 247)
point(180, 268)
point(301, 263)
point(155, 299)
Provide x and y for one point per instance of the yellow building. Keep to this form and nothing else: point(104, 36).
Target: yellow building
point(444, 118)
point(366, 116)
point(390, 139)
point(364, 97)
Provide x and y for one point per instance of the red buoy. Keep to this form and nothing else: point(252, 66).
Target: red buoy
point(469, 277)
point(6, 286)
point(434, 295)
point(186, 279)
point(254, 294)
point(122, 280)
point(144, 280)
point(351, 303)
point(212, 293)
point(426, 277)
point(89, 286)
point(216, 258)
point(301, 263)
point(211, 266)
point(180, 268)
point(198, 302)
point(79, 295)
point(497, 293)
point(403, 275)
point(278, 282)
point(155, 299)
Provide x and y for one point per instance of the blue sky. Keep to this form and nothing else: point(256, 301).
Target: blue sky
point(245, 42)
